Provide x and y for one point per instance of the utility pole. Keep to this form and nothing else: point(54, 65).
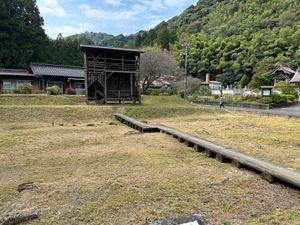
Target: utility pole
point(186, 45)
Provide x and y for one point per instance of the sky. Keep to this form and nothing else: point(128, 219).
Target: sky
point(109, 16)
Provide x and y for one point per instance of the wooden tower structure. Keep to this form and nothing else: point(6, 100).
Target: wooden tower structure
point(111, 74)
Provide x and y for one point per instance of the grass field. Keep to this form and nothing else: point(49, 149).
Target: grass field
point(269, 137)
point(88, 172)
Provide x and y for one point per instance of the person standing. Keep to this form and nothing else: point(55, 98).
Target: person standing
point(222, 101)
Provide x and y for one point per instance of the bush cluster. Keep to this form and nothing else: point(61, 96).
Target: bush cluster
point(286, 88)
point(53, 90)
point(153, 91)
point(167, 91)
point(277, 99)
point(23, 88)
point(266, 100)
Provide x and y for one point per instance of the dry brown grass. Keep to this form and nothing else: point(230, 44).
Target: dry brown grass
point(269, 137)
point(97, 175)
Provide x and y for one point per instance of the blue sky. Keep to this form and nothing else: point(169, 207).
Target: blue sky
point(110, 16)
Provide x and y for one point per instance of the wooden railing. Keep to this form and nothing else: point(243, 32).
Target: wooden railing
point(112, 64)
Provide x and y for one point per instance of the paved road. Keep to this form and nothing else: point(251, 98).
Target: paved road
point(293, 111)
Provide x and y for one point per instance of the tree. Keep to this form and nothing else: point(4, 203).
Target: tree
point(154, 64)
point(64, 51)
point(262, 75)
point(163, 38)
point(22, 38)
point(138, 40)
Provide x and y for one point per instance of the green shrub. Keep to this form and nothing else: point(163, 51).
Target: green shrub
point(168, 91)
point(286, 88)
point(153, 92)
point(181, 94)
point(279, 98)
point(70, 91)
point(53, 90)
point(266, 100)
point(195, 97)
point(156, 92)
point(204, 90)
point(23, 88)
point(291, 98)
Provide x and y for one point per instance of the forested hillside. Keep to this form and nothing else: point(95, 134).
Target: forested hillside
point(104, 39)
point(237, 41)
point(234, 40)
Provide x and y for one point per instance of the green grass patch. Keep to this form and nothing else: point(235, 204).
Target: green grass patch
point(60, 112)
point(41, 99)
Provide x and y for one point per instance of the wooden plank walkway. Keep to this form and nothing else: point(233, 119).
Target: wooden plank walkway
point(269, 171)
point(135, 124)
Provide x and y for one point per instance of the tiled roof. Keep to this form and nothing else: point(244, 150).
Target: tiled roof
point(285, 68)
point(14, 72)
point(40, 69)
point(296, 77)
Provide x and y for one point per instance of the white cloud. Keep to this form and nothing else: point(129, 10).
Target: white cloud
point(152, 5)
point(153, 23)
point(159, 5)
point(113, 2)
point(113, 15)
point(174, 3)
point(139, 9)
point(69, 30)
point(52, 7)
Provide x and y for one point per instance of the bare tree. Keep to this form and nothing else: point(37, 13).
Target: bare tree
point(154, 64)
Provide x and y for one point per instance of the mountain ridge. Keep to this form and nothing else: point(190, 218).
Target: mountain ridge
point(238, 42)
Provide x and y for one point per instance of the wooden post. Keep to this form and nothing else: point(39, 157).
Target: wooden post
point(122, 60)
point(42, 85)
point(236, 164)
point(221, 158)
point(105, 88)
point(131, 86)
point(268, 177)
point(104, 60)
point(86, 78)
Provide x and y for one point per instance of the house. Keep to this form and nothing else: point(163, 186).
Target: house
point(212, 85)
point(296, 78)
point(60, 75)
point(282, 73)
point(10, 79)
point(111, 74)
point(41, 76)
point(165, 81)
